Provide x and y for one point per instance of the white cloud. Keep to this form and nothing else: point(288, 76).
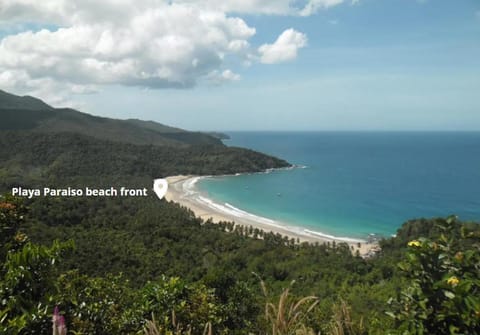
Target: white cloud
point(230, 76)
point(314, 6)
point(284, 49)
point(31, 10)
point(270, 7)
point(147, 43)
point(54, 92)
point(219, 77)
point(70, 11)
point(168, 46)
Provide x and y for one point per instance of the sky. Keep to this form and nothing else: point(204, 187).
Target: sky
point(386, 65)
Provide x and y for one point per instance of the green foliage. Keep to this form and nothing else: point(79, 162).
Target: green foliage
point(177, 303)
point(109, 305)
point(155, 242)
point(240, 304)
point(103, 305)
point(12, 214)
point(27, 276)
point(28, 280)
point(444, 284)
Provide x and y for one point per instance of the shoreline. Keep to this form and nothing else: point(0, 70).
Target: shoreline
point(181, 189)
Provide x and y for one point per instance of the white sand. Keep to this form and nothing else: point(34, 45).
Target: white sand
point(181, 190)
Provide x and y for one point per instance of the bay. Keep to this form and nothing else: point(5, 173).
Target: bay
point(352, 184)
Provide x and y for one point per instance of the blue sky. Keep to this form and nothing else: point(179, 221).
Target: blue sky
point(372, 65)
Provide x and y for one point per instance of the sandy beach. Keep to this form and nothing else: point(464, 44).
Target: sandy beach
point(181, 189)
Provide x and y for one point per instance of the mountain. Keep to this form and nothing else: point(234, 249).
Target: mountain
point(40, 144)
point(29, 113)
point(32, 158)
point(11, 101)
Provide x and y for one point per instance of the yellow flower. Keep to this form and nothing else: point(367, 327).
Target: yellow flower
point(459, 256)
point(453, 281)
point(414, 243)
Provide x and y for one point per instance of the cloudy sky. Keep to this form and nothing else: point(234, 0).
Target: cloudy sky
point(251, 64)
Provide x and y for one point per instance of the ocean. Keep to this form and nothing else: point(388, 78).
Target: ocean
point(353, 184)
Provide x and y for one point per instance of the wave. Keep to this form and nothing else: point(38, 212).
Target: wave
point(332, 237)
point(188, 186)
point(245, 214)
point(234, 212)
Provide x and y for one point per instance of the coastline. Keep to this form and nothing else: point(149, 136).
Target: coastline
point(181, 189)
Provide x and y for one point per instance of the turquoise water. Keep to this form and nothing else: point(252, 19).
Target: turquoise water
point(355, 184)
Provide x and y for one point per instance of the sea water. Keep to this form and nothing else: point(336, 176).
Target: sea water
point(352, 184)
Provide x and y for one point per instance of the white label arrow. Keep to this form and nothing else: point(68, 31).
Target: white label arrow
point(160, 187)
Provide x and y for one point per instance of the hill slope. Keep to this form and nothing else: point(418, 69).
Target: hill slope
point(28, 113)
point(31, 158)
point(11, 101)
point(40, 144)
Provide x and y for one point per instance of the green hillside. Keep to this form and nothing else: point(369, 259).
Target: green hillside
point(28, 113)
point(33, 158)
point(40, 144)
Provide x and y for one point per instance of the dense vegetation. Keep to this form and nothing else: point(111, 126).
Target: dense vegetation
point(28, 113)
point(44, 146)
point(30, 158)
point(122, 262)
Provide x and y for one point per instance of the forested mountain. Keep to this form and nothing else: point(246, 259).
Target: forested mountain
point(40, 144)
point(31, 158)
point(28, 113)
point(15, 102)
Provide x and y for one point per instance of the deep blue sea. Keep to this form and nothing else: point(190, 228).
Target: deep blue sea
point(357, 183)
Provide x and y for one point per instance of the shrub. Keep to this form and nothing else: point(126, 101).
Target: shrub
point(443, 295)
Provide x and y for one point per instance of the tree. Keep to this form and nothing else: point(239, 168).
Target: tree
point(27, 275)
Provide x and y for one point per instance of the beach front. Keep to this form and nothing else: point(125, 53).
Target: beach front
point(182, 190)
